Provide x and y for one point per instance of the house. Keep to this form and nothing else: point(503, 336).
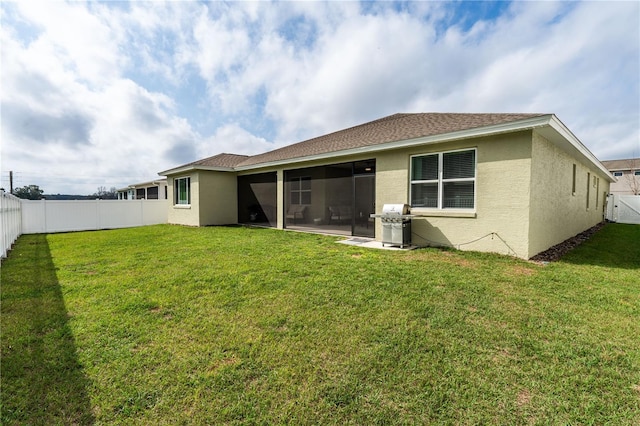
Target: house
point(627, 173)
point(506, 183)
point(152, 190)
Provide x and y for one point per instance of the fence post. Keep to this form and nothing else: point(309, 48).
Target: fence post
point(10, 221)
point(98, 218)
point(44, 215)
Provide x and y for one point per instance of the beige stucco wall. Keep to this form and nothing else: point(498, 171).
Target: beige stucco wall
point(213, 199)
point(524, 199)
point(502, 196)
point(183, 215)
point(557, 213)
point(217, 198)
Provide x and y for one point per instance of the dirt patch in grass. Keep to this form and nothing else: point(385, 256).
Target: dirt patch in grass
point(455, 259)
point(524, 398)
point(519, 271)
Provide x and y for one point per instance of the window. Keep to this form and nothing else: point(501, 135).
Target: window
point(140, 194)
point(588, 187)
point(182, 189)
point(573, 186)
point(617, 174)
point(597, 192)
point(300, 190)
point(636, 173)
point(444, 180)
point(152, 193)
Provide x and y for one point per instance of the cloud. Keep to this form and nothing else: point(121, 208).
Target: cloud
point(146, 86)
point(231, 138)
point(78, 37)
point(27, 125)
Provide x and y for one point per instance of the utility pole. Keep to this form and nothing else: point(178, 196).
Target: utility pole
point(11, 182)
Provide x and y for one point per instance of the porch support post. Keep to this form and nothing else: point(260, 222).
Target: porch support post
point(280, 199)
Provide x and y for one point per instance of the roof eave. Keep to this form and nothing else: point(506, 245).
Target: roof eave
point(560, 134)
point(515, 126)
point(192, 167)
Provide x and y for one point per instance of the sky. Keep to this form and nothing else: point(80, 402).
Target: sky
point(107, 94)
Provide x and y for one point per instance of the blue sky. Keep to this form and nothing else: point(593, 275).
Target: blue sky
point(109, 93)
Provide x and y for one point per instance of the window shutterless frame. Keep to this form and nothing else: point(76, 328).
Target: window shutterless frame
point(444, 180)
point(182, 191)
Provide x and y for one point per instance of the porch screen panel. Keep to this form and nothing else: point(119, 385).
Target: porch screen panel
point(320, 198)
point(257, 199)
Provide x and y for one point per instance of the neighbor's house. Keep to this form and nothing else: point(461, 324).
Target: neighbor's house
point(506, 183)
point(627, 173)
point(152, 190)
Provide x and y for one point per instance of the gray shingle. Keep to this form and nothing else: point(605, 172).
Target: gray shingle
point(394, 128)
point(220, 160)
point(397, 127)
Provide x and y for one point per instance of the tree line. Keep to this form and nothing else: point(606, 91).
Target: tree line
point(33, 192)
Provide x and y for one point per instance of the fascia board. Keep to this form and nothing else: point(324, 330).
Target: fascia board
point(184, 169)
point(566, 135)
point(408, 143)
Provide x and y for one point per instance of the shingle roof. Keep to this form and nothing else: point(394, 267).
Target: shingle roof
point(220, 160)
point(628, 164)
point(397, 127)
point(393, 128)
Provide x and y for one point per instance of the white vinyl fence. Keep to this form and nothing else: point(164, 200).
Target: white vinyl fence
point(47, 216)
point(10, 221)
point(623, 208)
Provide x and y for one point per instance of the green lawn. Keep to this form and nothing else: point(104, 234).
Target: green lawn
point(176, 325)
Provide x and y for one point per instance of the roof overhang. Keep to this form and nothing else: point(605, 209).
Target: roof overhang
point(559, 134)
point(192, 167)
point(549, 126)
point(408, 143)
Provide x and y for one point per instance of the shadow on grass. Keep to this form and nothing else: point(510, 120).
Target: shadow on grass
point(42, 380)
point(614, 246)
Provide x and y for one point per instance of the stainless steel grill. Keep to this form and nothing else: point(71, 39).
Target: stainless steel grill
point(396, 224)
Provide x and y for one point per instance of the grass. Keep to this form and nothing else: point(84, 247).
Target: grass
point(177, 325)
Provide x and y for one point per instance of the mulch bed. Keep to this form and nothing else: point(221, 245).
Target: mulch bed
point(556, 252)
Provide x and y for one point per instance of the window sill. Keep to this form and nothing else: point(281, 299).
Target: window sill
point(182, 206)
point(418, 212)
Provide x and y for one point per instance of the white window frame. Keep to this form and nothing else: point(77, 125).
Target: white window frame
point(441, 181)
point(176, 194)
point(299, 191)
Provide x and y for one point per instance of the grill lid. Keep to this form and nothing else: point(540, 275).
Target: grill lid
point(395, 209)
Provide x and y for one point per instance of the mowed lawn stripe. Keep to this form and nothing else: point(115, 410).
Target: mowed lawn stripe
point(232, 325)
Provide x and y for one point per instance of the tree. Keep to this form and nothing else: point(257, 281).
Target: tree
point(103, 194)
point(632, 180)
point(29, 192)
